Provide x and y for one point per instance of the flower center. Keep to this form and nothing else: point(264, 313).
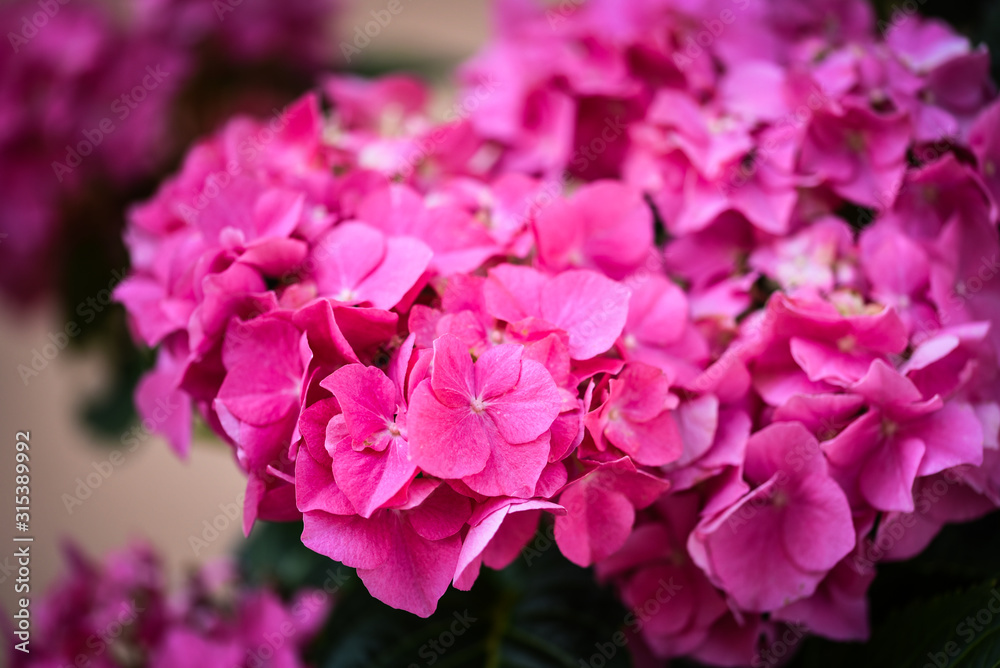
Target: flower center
point(780, 499)
point(846, 344)
point(346, 295)
point(393, 429)
point(856, 141)
point(478, 406)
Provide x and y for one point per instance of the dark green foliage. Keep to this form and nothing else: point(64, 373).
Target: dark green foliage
point(540, 612)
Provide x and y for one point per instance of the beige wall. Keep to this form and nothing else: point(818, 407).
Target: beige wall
point(152, 493)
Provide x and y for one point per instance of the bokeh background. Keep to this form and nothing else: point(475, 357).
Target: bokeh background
point(77, 408)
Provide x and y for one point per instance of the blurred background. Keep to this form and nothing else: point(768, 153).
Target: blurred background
point(96, 477)
point(67, 365)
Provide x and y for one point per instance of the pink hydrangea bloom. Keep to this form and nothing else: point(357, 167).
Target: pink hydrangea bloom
point(485, 423)
point(771, 526)
point(624, 291)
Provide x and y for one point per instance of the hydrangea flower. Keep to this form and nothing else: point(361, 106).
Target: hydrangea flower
point(693, 304)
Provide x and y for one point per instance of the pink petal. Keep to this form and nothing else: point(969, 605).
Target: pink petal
point(952, 436)
point(415, 573)
point(352, 540)
point(453, 377)
point(497, 372)
point(370, 479)
point(886, 481)
point(817, 501)
point(448, 442)
point(404, 262)
point(591, 309)
point(367, 398)
point(512, 469)
point(526, 412)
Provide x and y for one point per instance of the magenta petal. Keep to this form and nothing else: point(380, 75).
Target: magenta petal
point(367, 398)
point(370, 479)
point(497, 371)
point(516, 532)
point(260, 394)
point(447, 442)
point(596, 523)
point(487, 530)
point(315, 489)
point(352, 540)
point(513, 293)
point(441, 514)
point(345, 257)
point(653, 443)
point(415, 573)
point(526, 412)
point(884, 386)
point(822, 362)
point(159, 402)
point(473, 546)
point(404, 262)
point(839, 608)
point(886, 481)
point(640, 392)
point(952, 436)
point(273, 257)
point(453, 376)
point(747, 559)
point(600, 510)
point(512, 469)
point(817, 501)
point(591, 309)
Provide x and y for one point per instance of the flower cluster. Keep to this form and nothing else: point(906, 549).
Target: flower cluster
point(121, 613)
point(713, 287)
point(91, 100)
